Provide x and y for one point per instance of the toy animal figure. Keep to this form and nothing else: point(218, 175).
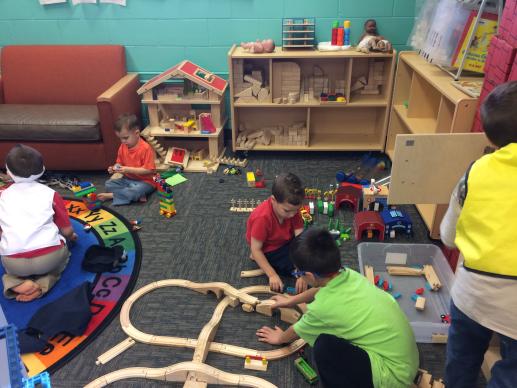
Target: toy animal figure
point(371, 40)
point(264, 46)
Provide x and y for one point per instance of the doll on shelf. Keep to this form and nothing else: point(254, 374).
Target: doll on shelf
point(371, 40)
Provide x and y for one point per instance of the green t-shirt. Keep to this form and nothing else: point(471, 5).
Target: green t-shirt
point(351, 308)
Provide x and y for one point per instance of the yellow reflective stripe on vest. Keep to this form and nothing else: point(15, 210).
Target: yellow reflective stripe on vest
point(486, 233)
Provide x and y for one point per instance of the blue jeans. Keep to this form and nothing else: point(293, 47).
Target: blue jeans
point(280, 261)
point(127, 190)
point(466, 346)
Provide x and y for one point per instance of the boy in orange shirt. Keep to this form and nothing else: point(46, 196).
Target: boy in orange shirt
point(271, 228)
point(135, 160)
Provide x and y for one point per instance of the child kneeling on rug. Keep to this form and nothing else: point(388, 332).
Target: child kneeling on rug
point(135, 160)
point(361, 337)
point(34, 224)
point(271, 228)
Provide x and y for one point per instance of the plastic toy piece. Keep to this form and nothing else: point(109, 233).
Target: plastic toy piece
point(368, 271)
point(376, 279)
point(369, 222)
point(419, 291)
point(40, 381)
point(385, 285)
point(420, 303)
point(255, 363)
point(306, 370)
point(289, 290)
point(348, 193)
point(14, 365)
point(393, 258)
point(197, 373)
point(396, 295)
point(446, 318)
point(250, 178)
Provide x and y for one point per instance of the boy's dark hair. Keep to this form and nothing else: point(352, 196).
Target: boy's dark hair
point(499, 114)
point(128, 121)
point(24, 161)
point(288, 188)
point(315, 251)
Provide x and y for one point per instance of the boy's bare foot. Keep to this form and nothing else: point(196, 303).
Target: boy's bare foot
point(104, 196)
point(29, 297)
point(25, 288)
point(142, 199)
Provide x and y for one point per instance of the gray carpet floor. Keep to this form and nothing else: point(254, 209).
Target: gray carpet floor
point(205, 242)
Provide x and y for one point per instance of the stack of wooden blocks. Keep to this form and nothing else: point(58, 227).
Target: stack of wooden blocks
point(249, 88)
point(375, 77)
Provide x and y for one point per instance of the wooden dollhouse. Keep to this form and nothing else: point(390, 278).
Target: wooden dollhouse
point(187, 112)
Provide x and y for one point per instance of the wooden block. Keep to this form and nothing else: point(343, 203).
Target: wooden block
point(368, 271)
point(437, 338)
point(432, 277)
point(245, 93)
point(492, 355)
point(420, 303)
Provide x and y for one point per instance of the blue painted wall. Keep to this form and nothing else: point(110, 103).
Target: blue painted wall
point(159, 33)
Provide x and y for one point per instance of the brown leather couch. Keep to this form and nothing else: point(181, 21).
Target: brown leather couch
point(63, 101)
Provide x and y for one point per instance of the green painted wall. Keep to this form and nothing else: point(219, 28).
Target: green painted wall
point(159, 33)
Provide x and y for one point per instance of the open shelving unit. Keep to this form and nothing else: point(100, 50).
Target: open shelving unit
point(287, 93)
point(426, 102)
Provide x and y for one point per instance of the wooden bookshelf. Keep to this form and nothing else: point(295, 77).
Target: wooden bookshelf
point(426, 102)
point(360, 123)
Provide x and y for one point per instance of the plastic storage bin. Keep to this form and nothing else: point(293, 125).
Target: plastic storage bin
point(427, 325)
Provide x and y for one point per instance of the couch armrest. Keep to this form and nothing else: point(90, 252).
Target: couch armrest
point(120, 98)
point(1, 90)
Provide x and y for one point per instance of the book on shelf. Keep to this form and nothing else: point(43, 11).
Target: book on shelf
point(477, 52)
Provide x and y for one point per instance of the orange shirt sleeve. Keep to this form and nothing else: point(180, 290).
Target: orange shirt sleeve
point(148, 158)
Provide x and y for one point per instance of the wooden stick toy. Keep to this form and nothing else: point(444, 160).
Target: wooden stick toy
point(427, 270)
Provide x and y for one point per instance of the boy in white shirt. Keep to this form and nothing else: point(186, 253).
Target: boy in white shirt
point(34, 224)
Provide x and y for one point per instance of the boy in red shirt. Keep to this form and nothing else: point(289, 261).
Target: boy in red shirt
point(135, 160)
point(271, 228)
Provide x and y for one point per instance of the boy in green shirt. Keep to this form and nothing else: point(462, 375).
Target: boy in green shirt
point(361, 337)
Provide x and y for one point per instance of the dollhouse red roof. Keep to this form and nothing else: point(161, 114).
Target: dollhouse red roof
point(191, 71)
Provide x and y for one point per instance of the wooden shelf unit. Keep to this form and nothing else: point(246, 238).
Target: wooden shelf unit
point(360, 123)
point(426, 102)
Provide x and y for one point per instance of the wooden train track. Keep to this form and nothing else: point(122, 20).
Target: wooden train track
point(197, 374)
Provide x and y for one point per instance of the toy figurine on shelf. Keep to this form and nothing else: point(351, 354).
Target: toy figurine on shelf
point(260, 46)
point(371, 40)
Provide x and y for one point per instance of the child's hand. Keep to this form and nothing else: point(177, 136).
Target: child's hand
point(270, 335)
point(275, 283)
point(301, 285)
point(73, 237)
point(281, 301)
point(111, 170)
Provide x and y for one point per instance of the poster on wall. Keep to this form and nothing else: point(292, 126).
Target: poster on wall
point(47, 2)
point(119, 2)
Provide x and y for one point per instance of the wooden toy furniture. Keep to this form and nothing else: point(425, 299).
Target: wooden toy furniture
point(176, 101)
point(290, 100)
point(396, 220)
point(63, 101)
point(426, 102)
point(369, 222)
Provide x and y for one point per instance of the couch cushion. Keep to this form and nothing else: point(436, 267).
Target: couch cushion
point(66, 123)
point(60, 74)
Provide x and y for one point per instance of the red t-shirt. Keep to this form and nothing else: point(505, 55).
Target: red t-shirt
point(141, 155)
point(263, 225)
point(60, 219)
